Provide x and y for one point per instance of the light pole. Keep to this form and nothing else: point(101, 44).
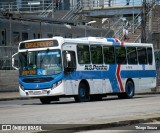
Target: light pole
point(133, 18)
point(90, 22)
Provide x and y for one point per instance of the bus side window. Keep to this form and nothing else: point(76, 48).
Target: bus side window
point(132, 55)
point(96, 54)
point(83, 54)
point(120, 55)
point(150, 56)
point(142, 55)
point(109, 57)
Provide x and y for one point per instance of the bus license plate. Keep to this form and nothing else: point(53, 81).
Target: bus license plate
point(35, 92)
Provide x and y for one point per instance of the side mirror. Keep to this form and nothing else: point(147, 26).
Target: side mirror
point(13, 61)
point(68, 57)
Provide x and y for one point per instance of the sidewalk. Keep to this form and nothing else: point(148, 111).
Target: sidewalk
point(10, 96)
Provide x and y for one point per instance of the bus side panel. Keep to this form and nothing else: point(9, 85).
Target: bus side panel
point(71, 87)
point(147, 76)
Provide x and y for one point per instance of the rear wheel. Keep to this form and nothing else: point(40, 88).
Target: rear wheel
point(83, 93)
point(129, 91)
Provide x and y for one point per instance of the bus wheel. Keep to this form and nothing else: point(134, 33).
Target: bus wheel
point(129, 88)
point(129, 91)
point(83, 93)
point(45, 100)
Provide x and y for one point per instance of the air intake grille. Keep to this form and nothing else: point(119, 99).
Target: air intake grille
point(37, 80)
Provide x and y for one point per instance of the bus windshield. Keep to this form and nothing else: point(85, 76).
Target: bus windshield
point(40, 62)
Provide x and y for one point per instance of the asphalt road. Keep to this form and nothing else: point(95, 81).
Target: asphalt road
point(66, 111)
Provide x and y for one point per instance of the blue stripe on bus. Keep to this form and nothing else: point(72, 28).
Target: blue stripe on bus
point(111, 76)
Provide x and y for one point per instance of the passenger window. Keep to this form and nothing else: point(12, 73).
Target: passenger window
point(131, 55)
point(3, 37)
point(34, 36)
point(142, 55)
point(109, 57)
point(39, 35)
point(49, 35)
point(96, 54)
point(120, 55)
point(16, 38)
point(150, 56)
point(24, 36)
point(83, 54)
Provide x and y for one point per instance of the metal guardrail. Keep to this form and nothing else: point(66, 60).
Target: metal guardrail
point(29, 6)
point(48, 9)
point(73, 11)
point(111, 3)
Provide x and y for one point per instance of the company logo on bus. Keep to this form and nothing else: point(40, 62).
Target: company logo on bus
point(96, 67)
point(40, 44)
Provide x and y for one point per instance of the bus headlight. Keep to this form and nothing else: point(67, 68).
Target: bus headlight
point(56, 84)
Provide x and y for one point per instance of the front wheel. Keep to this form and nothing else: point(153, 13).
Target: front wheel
point(83, 93)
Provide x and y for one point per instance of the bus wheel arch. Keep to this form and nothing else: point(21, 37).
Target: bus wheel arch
point(83, 91)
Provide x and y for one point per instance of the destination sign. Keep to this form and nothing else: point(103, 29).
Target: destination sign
point(29, 72)
point(38, 44)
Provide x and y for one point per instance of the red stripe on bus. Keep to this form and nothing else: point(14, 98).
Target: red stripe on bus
point(119, 78)
point(122, 43)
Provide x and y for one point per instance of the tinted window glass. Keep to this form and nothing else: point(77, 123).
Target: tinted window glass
point(16, 38)
point(96, 54)
point(150, 57)
point(83, 54)
point(131, 55)
point(120, 55)
point(24, 36)
point(109, 55)
point(142, 55)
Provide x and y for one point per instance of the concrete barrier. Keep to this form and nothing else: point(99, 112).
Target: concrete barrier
point(8, 80)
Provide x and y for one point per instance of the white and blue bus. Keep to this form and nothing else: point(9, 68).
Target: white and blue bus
point(87, 68)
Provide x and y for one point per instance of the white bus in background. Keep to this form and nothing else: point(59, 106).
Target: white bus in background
point(87, 68)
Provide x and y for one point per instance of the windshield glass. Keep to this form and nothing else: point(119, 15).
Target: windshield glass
point(40, 62)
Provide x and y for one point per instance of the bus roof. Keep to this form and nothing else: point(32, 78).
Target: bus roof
point(89, 41)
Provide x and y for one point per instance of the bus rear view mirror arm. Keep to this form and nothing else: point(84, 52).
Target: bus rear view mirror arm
point(14, 61)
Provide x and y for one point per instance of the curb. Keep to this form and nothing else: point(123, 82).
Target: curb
point(15, 98)
point(120, 125)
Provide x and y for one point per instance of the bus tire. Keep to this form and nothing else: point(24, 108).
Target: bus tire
point(129, 91)
point(45, 100)
point(83, 93)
